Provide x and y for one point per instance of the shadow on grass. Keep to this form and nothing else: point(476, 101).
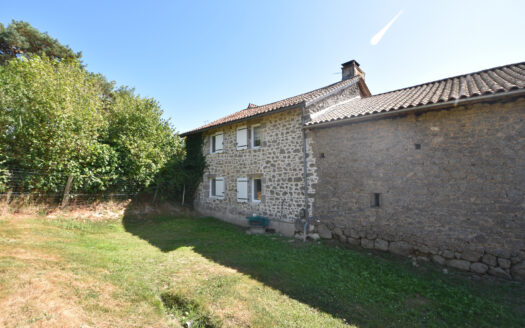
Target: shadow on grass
point(362, 289)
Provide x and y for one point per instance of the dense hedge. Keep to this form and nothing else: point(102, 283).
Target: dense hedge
point(59, 120)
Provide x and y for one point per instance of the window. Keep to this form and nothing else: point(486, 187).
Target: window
point(256, 190)
point(242, 190)
point(376, 200)
point(242, 138)
point(216, 143)
point(256, 136)
point(217, 187)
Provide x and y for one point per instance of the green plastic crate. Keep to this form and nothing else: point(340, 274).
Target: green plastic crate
point(258, 221)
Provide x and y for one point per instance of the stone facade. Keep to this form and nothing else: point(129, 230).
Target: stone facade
point(450, 185)
point(279, 164)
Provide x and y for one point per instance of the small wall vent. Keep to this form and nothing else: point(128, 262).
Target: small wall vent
point(375, 200)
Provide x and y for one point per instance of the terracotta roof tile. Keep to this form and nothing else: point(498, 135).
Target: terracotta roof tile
point(491, 81)
point(254, 110)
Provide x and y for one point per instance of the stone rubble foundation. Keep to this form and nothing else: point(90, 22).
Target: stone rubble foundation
point(476, 260)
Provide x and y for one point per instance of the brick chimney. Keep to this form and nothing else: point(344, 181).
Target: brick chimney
point(351, 69)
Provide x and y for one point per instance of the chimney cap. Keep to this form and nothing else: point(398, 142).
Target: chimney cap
point(351, 62)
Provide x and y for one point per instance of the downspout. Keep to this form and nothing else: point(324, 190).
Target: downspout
point(306, 212)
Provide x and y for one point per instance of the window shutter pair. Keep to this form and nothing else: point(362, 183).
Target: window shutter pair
point(242, 190)
point(242, 138)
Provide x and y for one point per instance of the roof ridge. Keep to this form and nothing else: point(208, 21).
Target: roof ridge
point(451, 77)
point(311, 91)
point(497, 81)
point(278, 104)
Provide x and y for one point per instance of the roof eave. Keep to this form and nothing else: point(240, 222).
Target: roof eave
point(429, 107)
point(281, 109)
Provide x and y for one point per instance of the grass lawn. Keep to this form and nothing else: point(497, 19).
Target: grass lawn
point(166, 271)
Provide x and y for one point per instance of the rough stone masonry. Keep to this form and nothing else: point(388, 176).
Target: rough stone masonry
point(278, 163)
point(447, 185)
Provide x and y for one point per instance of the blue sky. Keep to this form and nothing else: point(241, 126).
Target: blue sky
point(203, 60)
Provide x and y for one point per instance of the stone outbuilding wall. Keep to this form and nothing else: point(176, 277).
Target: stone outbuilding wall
point(278, 162)
point(447, 186)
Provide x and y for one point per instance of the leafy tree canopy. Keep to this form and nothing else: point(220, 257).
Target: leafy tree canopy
point(61, 121)
point(21, 39)
point(56, 118)
point(51, 120)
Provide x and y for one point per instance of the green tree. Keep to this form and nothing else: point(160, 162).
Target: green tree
point(144, 141)
point(21, 39)
point(51, 121)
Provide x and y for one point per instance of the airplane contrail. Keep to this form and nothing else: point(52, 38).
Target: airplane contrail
point(376, 38)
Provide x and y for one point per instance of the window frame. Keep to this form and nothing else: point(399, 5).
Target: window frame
point(212, 180)
point(252, 136)
point(253, 199)
point(212, 142)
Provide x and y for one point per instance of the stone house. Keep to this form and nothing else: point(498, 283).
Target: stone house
point(434, 171)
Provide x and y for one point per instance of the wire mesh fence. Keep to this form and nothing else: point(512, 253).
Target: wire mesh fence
point(23, 185)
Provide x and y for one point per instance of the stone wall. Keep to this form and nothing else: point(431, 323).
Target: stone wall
point(451, 186)
point(279, 162)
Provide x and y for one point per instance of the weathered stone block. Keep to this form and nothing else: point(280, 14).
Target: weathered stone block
point(324, 232)
point(447, 254)
point(400, 248)
point(438, 259)
point(472, 255)
point(500, 252)
point(489, 259)
point(499, 272)
point(381, 244)
point(423, 249)
point(367, 243)
point(504, 263)
point(459, 264)
point(478, 267)
point(518, 271)
point(515, 259)
point(353, 241)
point(338, 234)
point(371, 235)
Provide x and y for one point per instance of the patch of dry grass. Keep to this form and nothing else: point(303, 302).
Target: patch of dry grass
point(40, 287)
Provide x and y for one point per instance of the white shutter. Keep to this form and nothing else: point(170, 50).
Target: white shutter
point(219, 138)
point(242, 190)
point(219, 187)
point(242, 138)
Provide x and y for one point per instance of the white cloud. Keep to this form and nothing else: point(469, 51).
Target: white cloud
point(376, 38)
